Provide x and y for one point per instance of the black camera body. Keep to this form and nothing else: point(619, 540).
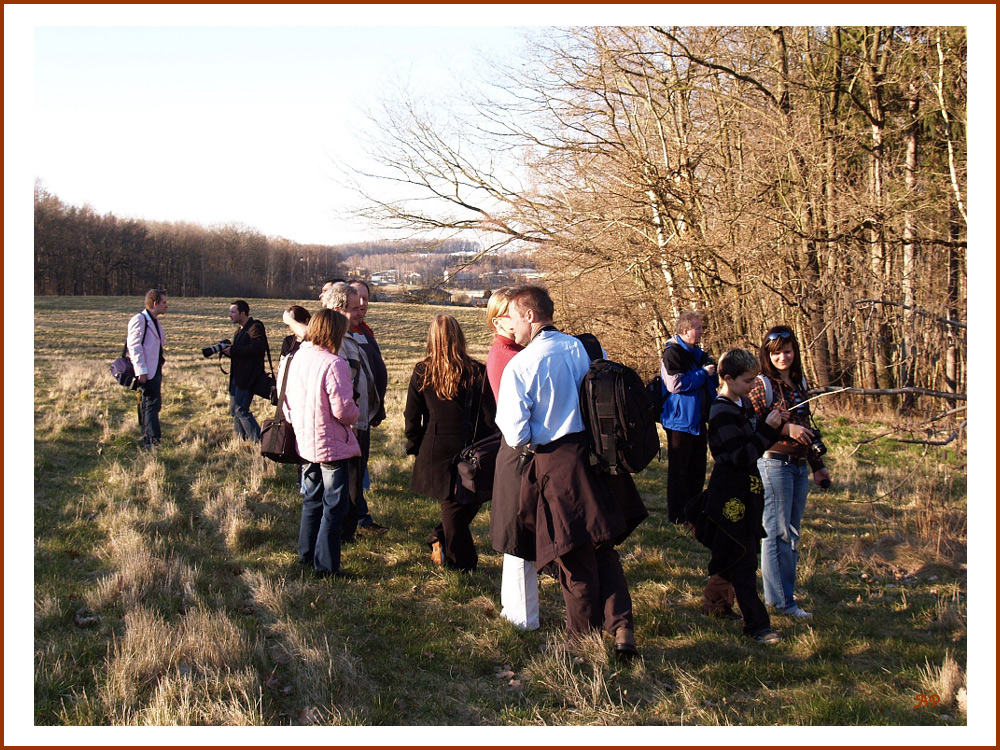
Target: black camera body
point(816, 448)
point(208, 351)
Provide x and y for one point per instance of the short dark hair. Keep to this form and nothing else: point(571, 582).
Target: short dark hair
point(241, 306)
point(737, 361)
point(153, 297)
point(531, 297)
point(299, 313)
point(363, 283)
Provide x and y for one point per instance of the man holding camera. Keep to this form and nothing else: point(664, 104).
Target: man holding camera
point(247, 355)
point(145, 349)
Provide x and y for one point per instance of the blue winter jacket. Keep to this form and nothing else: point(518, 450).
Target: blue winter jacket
point(688, 389)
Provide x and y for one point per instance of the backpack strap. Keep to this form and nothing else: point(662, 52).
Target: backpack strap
point(768, 392)
point(145, 327)
point(592, 345)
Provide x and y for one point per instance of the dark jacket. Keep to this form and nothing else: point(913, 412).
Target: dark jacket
point(436, 430)
point(380, 372)
point(731, 525)
point(688, 388)
point(567, 504)
point(247, 354)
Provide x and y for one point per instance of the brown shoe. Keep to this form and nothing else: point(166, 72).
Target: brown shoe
point(625, 644)
point(437, 553)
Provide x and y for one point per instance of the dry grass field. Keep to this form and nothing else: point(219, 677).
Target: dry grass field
point(167, 589)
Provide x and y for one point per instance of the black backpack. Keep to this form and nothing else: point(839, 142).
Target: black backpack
point(618, 414)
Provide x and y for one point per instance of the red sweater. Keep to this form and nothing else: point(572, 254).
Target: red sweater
point(501, 352)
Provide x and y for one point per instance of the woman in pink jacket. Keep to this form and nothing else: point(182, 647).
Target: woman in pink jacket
point(320, 405)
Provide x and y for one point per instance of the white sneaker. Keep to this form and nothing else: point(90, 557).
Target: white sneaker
point(796, 611)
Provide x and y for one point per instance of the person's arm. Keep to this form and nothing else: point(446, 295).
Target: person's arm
point(136, 327)
point(299, 329)
point(731, 440)
point(514, 409)
point(678, 374)
point(340, 392)
point(415, 414)
point(251, 345)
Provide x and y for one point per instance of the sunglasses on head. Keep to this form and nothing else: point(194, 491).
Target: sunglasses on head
point(779, 335)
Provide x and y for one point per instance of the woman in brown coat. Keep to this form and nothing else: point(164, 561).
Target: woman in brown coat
point(448, 406)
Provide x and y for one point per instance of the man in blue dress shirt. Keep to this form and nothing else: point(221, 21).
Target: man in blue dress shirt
point(576, 515)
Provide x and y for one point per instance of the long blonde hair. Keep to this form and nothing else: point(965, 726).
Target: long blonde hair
point(447, 365)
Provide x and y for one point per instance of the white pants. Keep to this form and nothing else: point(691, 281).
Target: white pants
point(519, 592)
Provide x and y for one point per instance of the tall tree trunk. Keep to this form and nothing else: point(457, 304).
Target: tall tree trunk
point(909, 342)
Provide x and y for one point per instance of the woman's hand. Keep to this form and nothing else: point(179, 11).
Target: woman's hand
point(822, 477)
point(776, 417)
point(802, 434)
point(286, 318)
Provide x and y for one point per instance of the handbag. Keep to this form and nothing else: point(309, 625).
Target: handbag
point(475, 467)
point(264, 385)
point(475, 464)
point(277, 438)
point(122, 369)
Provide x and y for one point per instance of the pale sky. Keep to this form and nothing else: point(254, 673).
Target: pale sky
point(213, 125)
point(216, 114)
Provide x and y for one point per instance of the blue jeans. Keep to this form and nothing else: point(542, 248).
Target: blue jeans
point(323, 508)
point(244, 422)
point(785, 490)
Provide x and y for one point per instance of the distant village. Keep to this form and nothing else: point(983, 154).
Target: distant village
point(443, 275)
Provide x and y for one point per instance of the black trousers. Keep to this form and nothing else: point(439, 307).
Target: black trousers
point(687, 457)
point(149, 408)
point(455, 535)
point(743, 576)
point(594, 589)
point(355, 485)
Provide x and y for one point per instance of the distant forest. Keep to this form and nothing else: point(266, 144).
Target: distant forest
point(79, 251)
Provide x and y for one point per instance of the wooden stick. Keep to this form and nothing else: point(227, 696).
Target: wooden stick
point(828, 393)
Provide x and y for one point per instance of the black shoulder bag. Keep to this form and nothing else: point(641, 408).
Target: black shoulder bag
point(475, 465)
point(122, 369)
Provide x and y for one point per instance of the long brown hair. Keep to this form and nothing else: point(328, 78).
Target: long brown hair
point(326, 329)
point(775, 339)
point(447, 365)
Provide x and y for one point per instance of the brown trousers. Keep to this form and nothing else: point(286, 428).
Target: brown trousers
point(594, 589)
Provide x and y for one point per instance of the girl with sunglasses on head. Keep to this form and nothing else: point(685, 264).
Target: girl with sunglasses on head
point(784, 469)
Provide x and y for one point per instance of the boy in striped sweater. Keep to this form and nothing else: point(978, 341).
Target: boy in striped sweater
point(731, 525)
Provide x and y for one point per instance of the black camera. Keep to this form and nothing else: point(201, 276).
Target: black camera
point(208, 351)
point(816, 448)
